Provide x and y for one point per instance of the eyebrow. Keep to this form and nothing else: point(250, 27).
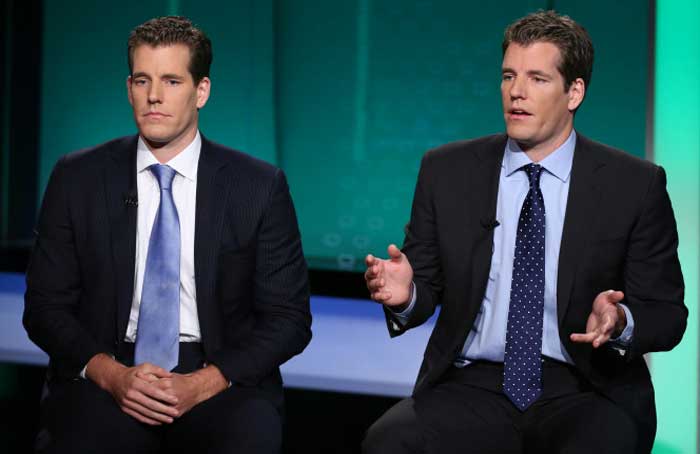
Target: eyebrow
point(172, 76)
point(164, 76)
point(532, 72)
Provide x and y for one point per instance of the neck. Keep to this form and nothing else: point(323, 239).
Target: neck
point(537, 152)
point(165, 151)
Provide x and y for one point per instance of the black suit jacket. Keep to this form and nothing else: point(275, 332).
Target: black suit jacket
point(619, 233)
point(250, 273)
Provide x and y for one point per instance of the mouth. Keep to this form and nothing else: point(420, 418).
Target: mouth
point(155, 115)
point(518, 114)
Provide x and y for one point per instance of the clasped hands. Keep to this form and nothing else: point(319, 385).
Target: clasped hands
point(389, 282)
point(151, 394)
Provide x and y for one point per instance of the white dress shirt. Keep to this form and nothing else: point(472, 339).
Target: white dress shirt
point(184, 189)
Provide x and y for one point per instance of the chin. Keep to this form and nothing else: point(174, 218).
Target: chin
point(155, 135)
point(518, 133)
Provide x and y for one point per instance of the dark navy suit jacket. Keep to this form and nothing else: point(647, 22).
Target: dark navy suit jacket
point(250, 272)
point(619, 233)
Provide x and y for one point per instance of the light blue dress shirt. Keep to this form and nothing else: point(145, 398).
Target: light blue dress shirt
point(487, 338)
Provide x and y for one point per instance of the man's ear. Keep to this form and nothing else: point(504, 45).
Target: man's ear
point(577, 91)
point(203, 91)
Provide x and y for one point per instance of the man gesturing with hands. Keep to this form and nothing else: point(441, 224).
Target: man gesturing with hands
point(390, 281)
point(553, 260)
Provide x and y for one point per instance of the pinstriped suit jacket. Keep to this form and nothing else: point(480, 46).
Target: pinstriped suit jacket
point(250, 272)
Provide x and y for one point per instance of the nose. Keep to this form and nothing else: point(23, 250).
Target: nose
point(518, 89)
point(154, 93)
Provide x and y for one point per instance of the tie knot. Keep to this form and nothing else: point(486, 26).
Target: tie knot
point(533, 173)
point(164, 174)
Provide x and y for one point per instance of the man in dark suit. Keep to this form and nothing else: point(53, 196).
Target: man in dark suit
point(167, 282)
point(554, 260)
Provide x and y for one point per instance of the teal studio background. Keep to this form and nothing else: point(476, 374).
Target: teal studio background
point(345, 96)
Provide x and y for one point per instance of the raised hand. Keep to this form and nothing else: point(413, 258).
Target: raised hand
point(389, 281)
point(607, 319)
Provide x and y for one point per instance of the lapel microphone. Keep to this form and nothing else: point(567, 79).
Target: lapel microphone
point(490, 224)
point(131, 199)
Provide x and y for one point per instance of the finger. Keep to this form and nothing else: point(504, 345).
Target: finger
point(600, 340)
point(150, 378)
point(165, 383)
point(160, 383)
point(381, 297)
point(372, 272)
point(140, 417)
point(394, 252)
point(375, 285)
point(150, 413)
point(151, 404)
point(153, 369)
point(369, 260)
point(149, 407)
point(377, 282)
point(153, 393)
point(377, 296)
point(583, 338)
point(614, 296)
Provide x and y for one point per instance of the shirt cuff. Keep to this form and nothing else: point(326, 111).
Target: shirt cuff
point(405, 314)
point(83, 371)
point(625, 338)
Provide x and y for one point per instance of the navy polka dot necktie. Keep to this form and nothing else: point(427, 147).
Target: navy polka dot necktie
point(522, 368)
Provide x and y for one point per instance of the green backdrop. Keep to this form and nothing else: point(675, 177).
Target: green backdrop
point(345, 96)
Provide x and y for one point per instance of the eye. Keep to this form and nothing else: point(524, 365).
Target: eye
point(540, 80)
point(172, 82)
point(139, 82)
point(507, 77)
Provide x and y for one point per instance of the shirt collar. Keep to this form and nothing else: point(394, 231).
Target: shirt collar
point(558, 163)
point(185, 163)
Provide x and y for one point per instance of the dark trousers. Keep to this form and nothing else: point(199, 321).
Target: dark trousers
point(467, 412)
point(80, 417)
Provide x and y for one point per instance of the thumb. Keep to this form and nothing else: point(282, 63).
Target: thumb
point(156, 371)
point(394, 253)
point(615, 296)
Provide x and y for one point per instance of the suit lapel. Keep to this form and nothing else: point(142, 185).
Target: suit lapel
point(212, 196)
point(484, 197)
point(120, 185)
point(584, 196)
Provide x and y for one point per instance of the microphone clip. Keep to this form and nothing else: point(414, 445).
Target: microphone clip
point(131, 201)
point(490, 224)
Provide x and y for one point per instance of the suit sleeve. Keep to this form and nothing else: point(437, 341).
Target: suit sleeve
point(422, 250)
point(283, 319)
point(653, 279)
point(54, 283)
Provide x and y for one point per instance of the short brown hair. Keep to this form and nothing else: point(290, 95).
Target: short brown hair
point(169, 30)
point(571, 39)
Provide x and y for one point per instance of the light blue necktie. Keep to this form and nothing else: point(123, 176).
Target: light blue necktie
point(522, 368)
point(157, 337)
